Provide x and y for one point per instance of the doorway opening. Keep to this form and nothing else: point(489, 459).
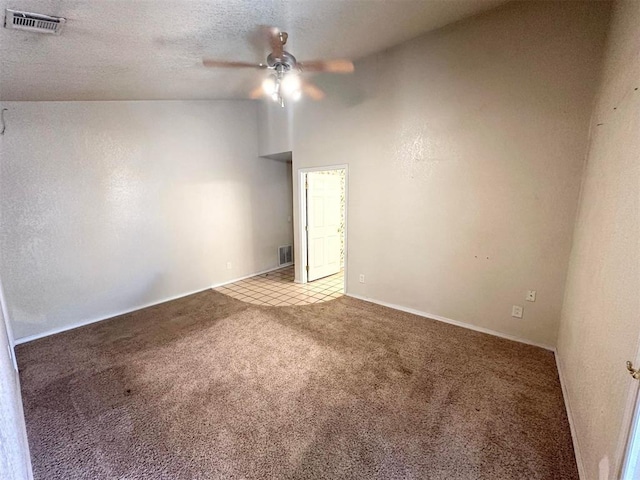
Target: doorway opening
point(323, 224)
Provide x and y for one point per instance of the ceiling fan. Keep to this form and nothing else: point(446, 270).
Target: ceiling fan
point(285, 81)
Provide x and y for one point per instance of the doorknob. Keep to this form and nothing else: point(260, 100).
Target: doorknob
point(632, 371)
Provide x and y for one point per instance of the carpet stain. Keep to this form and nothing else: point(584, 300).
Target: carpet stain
point(208, 387)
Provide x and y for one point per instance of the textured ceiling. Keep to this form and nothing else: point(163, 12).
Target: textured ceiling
point(151, 49)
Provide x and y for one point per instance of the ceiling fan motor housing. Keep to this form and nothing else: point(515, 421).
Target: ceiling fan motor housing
point(283, 63)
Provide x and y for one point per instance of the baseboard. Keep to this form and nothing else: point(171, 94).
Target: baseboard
point(567, 407)
point(217, 285)
point(452, 322)
point(83, 323)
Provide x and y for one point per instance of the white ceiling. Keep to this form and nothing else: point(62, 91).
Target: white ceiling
point(151, 49)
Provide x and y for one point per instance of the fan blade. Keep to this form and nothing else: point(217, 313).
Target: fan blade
point(312, 91)
point(277, 39)
point(223, 64)
point(332, 66)
point(256, 93)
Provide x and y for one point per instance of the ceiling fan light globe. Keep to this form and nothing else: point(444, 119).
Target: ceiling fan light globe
point(269, 85)
point(291, 83)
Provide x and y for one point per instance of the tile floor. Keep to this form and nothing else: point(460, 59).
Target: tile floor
point(277, 289)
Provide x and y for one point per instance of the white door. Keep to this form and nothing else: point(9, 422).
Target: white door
point(323, 225)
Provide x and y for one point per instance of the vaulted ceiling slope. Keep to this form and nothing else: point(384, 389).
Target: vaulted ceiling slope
point(152, 49)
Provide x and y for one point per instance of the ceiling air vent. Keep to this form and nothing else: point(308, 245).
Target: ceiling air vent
point(33, 22)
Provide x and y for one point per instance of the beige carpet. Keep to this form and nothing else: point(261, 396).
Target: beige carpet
point(208, 387)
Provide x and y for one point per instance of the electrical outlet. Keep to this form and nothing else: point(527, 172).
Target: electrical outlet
point(362, 278)
point(229, 265)
point(516, 311)
point(531, 296)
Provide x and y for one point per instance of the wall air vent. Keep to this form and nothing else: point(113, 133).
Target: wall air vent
point(33, 22)
point(285, 255)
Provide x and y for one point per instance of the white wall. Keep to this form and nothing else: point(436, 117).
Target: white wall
point(274, 128)
point(600, 327)
point(14, 449)
point(465, 149)
point(110, 206)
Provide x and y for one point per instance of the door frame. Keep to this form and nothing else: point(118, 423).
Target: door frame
point(302, 209)
point(630, 425)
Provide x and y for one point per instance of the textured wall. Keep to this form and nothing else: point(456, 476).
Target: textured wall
point(465, 150)
point(109, 206)
point(14, 450)
point(274, 128)
point(600, 326)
